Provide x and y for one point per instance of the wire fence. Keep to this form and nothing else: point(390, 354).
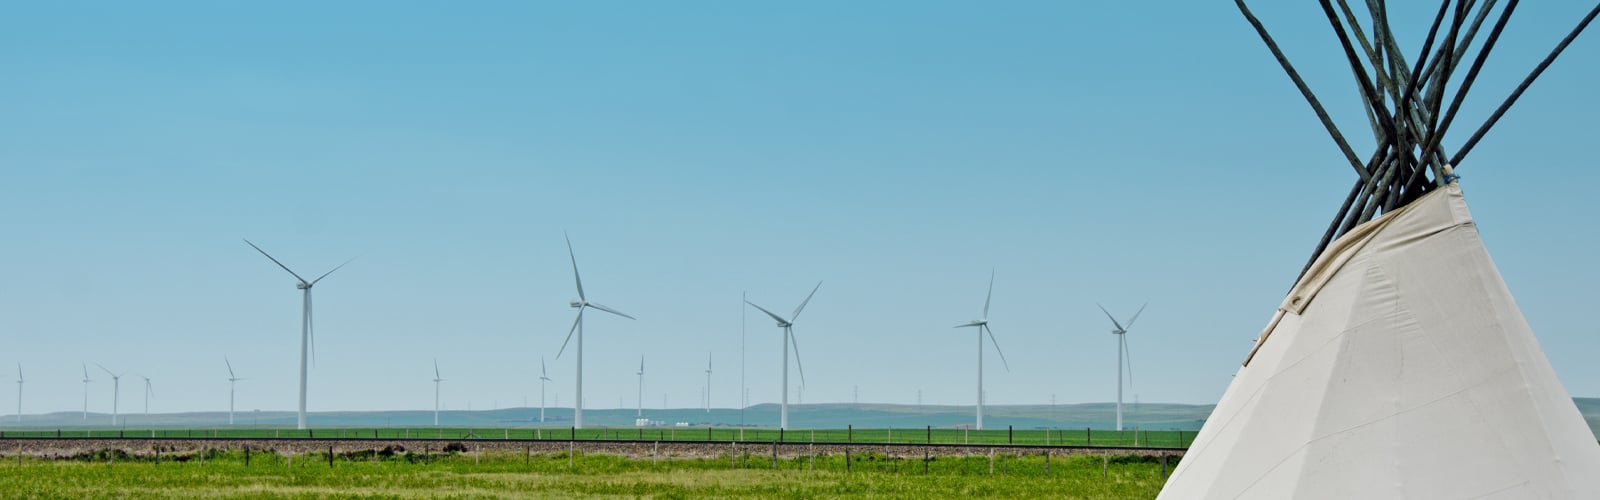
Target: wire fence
point(1086, 437)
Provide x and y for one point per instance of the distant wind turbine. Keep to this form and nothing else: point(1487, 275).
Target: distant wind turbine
point(436, 380)
point(116, 391)
point(788, 339)
point(708, 382)
point(640, 412)
point(983, 327)
point(1122, 354)
point(86, 381)
point(148, 391)
point(581, 305)
point(231, 379)
point(308, 340)
point(19, 393)
point(542, 379)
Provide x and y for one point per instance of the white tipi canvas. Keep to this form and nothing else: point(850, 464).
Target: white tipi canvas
point(1398, 367)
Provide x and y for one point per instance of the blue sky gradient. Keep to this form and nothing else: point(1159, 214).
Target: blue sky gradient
point(1107, 152)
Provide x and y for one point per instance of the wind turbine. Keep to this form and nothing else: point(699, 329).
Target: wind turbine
point(19, 393)
point(86, 381)
point(640, 412)
point(1122, 354)
point(148, 391)
point(307, 339)
point(436, 380)
point(116, 391)
point(542, 379)
point(983, 327)
point(788, 339)
point(708, 382)
point(231, 379)
point(581, 305)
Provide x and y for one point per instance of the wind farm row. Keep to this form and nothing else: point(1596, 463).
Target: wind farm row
point(575, 339)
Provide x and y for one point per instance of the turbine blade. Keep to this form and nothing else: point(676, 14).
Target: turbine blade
point(990, 296)
point(575, 277)
point(336, 268)
point(797, 362)
point(108, 371)
point(1113, 318)
point(85, 371)
point(230, 367)
point(274, 260)
point(969, 324)
point(796, 316)
point(997, 348)
point(1136, 315)
point(769, 313)
point(569, 333)
point(1127, 355)
point(541, 367)
point(436, 368)
point(609, 310)
point(311, 328)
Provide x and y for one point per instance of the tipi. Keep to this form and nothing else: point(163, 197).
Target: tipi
point(1399, 365)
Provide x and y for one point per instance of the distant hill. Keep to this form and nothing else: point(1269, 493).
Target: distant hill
point(1152, 416)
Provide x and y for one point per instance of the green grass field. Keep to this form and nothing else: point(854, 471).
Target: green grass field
point(1065, 437)
point(465, 475)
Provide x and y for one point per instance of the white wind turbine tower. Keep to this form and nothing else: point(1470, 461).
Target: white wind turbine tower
point(116, 391)
point(542, 379)
point(581, 305)
point(436, 380)
point(308, 341)
point(788, 339)
point(19, 393)
point(1122, 354)
point(983, 327)
point(708, 382)
point(640, 412)
point(86, 381)
point(231, 379)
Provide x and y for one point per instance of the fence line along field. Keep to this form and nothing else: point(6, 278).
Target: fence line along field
point(472, 470)
point(926, 435)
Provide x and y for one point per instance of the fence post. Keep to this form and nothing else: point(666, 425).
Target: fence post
point(1163, 465)
point(924, 461)
point(1047, 462)
point(930, 434)
point(247, 456)
point(780, 437)
point(849, 433)
point(847, 459)
point(1011, 435)
point(1088, 436)
point(330, 456)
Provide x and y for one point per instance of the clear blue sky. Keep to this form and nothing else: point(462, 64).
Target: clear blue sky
point(1114, 152)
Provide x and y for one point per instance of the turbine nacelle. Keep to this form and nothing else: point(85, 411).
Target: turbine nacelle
point(576, 304)
point(302, 286)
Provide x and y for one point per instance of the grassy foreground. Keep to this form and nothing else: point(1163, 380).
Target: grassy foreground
point(464, 475)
